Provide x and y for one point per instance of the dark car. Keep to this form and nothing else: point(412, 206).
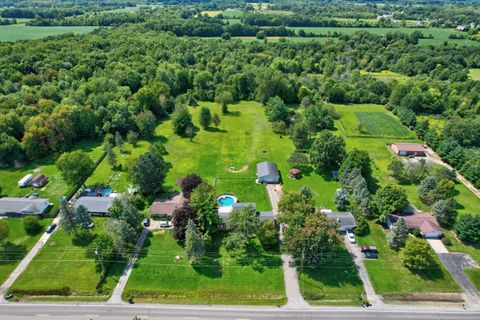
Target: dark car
point(370, 255)
point(51, 227)
point(8, 296)
point(368, 249)
point(146, 222)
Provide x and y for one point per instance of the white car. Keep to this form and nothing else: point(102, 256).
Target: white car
point(351, 237)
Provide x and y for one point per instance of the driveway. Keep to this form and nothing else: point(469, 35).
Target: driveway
point(455, 263)
point(358, 259)
point(275, 192)
point(292, 287)
point(437, 246)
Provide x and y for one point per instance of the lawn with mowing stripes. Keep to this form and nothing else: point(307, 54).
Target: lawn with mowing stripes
point(257, 279)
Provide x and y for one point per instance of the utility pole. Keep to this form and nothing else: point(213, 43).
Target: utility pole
point(67, 212)
point(98, 254)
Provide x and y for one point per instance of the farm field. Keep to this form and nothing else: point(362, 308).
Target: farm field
point(390, 278)
point(233, 13)
point(61, 271)
point(212, 13)
point(335, 283)
point(440, 35)
point(217, 279)
point(55, 187)
point(474, 74)
point(17, 245)
point(22, 32)
point(386, 75)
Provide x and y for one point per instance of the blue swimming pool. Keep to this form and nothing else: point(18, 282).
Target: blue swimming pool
point(106, 192)
point(226, 201)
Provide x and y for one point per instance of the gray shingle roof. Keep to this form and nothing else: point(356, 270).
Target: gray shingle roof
point(267, 168)
point(345, 219)
point(241, 205)
point(95, 204)
point(23, 205)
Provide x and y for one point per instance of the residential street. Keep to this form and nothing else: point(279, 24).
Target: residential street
point(358, 258)
point(26, 261)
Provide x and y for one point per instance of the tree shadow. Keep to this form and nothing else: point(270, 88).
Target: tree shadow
point(143, 253)
point(215, 129)
point(209, 265)
point(233, 113)
point(11, 252)
point(259, 259)
point(432, 274)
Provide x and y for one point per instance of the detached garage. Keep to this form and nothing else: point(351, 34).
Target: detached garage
point(267, 172)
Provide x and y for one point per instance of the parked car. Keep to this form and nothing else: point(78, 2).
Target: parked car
point(370, 255)
point(368, 249)
point(146, 222)
point(51, 227)
point(87, 225)
point(351, 237)
point(165, 224)
point(8, 296)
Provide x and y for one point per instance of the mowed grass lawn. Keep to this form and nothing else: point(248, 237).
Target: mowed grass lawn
point(17, 245)
point(474, 74)
point(336, 282)
point(61, 271)
point(390, 278)
point(386, 75)
point(217, 279)
point(23, 32)
point(55, 187)
point(243, 139)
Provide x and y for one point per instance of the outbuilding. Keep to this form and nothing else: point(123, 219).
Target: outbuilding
point(409, 149)
point(25, 181)
point(31, 205)
point(39, 181)
point(267, 172)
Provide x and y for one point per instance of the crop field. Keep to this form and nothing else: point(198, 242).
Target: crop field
point(390, 278)
point(440, 35)
point(22, 32)
point(61, 271)
point(474, 74)
point(217, 279)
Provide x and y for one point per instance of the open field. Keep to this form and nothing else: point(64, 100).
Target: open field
point(232, 14)
point(22, 32)
point(217, 279)
point(62, 271)
point(390, 278)
point(474, 74)
point(386, 76)
point(211, 13)
point(275, 39)
point(335, 283)
point(17, 245)
point(440, 35)
point(55, 187)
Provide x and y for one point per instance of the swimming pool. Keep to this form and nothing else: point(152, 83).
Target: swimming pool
point(106, 192)
point(226, 200)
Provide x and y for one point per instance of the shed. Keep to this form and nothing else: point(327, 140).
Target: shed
point(295, 173)
point(31, 205)
point(346, 220)
point(25, 181)
point(95, 205)
point(409, 149)
point(39, 181)
point(267, 172)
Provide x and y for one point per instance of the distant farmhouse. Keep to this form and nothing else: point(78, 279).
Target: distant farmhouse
point(31, 205)
point(95, 205)
point(267, 172)
point(426, 223)
point(409, 149)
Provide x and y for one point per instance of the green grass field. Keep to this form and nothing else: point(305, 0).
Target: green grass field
point(17, 245)
point(474, 74)
point(55, 187)
point(386, 75)
point(62, 271)
point(440, 35)
point(22, 32)
point(335, 283)
point(217, 279)
point(232, 14)
point(390, 278)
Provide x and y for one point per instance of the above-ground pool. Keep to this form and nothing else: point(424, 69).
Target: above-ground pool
point(226, 200)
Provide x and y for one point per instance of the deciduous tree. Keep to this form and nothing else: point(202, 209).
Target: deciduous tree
point(75, 167)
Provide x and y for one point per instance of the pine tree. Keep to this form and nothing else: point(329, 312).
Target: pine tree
point(397, 236)
point(216, 120)
point(111, 156)
point(194, 243)
point(118, 140)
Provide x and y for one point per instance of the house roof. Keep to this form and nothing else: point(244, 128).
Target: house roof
point(95, 204)
point(41, 178)
point(345, 219)
point(425, 222)
point(266, 215)
point(168, 206)
point(241, 205)
point(23, 205)
point(267, 168)
point(412, 147)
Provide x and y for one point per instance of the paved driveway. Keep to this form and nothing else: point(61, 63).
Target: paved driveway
point(455, 263)
point(437, 246)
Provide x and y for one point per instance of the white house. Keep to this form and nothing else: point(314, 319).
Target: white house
point(31, 205)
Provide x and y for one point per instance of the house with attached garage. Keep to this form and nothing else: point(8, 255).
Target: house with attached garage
point(426, 223)
point(30, 205)
point(408, 149)
point(95, 205)
point(346, 220)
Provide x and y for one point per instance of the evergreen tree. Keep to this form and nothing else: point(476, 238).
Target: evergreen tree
point(205, 118)
point(194, 242)
point(398, 234)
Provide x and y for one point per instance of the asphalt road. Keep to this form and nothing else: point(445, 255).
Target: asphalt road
point(24, 311)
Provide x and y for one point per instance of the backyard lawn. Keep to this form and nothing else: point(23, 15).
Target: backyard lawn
point(61, 271)
point(55, 187)
point(390, 278)
point(335, 283)
point(217, 279)
point(17, 245)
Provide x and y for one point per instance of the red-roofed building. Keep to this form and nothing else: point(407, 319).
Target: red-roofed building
point(408, 149)
point(426, 223)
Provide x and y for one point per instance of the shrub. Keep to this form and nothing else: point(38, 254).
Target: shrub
point(416, 232)
point(446, 241)
point(31, 225)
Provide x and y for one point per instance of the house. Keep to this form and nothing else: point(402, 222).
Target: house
point(95, 205)
point(460, 28)
point(295, 173)
point(426, 223)
point(267, 172)
point(30, 205)
point(224, 212)
point(25, 181)
point(39, 181)
point(346, 220)
point(165, 208)
point(409, 149)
